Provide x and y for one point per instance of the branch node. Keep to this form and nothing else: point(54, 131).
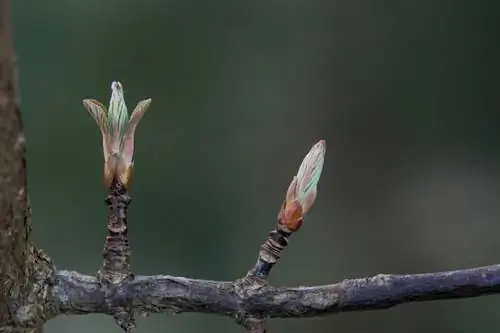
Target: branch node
point(270, 252)
point(34, 309)
point(251, 323)
point(245, 288)
point(125, 319)
point(248, 286)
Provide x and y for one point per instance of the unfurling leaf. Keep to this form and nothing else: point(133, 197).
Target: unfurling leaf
point(117, 131)
point(128, 136)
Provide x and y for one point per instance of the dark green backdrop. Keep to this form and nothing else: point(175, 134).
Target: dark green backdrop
point(404, 92)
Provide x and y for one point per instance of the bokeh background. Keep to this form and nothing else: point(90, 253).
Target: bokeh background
point(404, 92)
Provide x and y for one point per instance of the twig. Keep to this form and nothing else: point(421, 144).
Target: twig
point(116, 267)
point(299, 199)
point(116, 264)
point(117, 131)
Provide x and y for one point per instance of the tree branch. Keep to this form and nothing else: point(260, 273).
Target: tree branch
point(75, 294)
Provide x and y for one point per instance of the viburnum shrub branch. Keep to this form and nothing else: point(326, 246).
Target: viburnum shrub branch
point(250, 300)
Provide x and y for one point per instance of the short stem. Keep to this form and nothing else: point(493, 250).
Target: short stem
point(116, 265)
point(245, 287)
point(270, 253)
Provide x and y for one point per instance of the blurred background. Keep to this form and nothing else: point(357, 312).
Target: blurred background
point(404, 92)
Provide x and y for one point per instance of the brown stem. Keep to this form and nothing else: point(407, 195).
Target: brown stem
point(116, 266)
point(255, 279)
point(270, 252)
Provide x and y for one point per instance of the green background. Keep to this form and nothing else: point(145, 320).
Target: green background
point(404, 92)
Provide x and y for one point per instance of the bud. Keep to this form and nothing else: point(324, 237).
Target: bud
point(117, 131)
point(302, 191)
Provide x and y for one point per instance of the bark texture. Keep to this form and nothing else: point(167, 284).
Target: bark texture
point(250, 301)
point(21, 265)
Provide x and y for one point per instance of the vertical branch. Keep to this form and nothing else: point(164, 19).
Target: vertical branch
point(14, 226)
point(117, 130)
point(116, 266)
point(299, 199)
point(21, 269)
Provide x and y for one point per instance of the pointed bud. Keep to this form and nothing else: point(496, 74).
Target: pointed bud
point(309, 174)
point(302, 191)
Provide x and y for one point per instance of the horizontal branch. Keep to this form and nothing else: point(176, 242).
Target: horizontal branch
point(74, 293)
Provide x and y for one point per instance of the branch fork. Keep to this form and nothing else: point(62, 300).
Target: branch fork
point(118, 130)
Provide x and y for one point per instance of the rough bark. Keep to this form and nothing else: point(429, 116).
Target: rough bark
point(79, 294)
point(21, 263)
point(252, 301)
